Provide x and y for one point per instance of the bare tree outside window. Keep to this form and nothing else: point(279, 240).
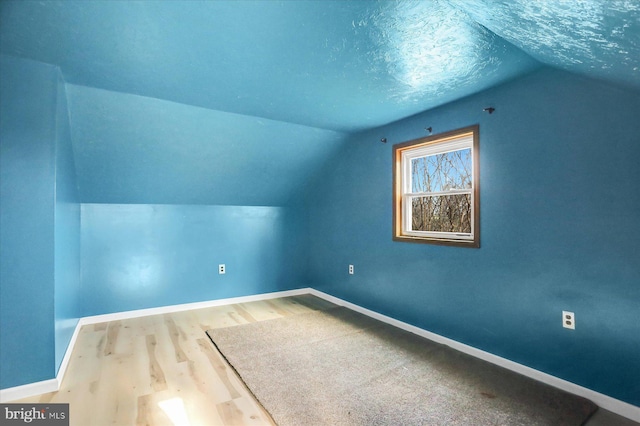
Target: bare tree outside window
point(437, 173)
point(436, 192)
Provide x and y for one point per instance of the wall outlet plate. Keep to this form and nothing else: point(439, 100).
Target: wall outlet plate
point(351, 270)
point(222, 269)
point(569, 320)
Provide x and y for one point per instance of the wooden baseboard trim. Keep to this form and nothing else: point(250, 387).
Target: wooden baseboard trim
point(604, 401)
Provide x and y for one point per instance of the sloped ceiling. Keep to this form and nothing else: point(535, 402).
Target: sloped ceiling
point(598, 38)
point(342, 66)
point(138, 150)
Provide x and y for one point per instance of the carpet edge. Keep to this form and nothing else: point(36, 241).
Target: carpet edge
point(255, 397)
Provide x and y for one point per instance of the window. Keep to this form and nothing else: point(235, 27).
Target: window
point(436, 196)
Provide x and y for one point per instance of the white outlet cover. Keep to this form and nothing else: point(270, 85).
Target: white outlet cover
point(351, 269)
point(569, 320)
point(221, 269)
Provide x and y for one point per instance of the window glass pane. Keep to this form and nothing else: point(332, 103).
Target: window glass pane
point(449, 213)
point(442, 172)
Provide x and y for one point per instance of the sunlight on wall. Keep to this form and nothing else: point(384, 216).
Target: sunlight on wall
point(140, 272)
point(174, 409)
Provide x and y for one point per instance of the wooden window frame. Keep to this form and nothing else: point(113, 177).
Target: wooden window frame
point(445, 238)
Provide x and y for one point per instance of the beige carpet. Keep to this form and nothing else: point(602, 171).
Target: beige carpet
point(338, 367)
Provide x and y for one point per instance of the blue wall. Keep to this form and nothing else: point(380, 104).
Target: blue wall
point(27, 135)
point(559, 231)
point(143, 256)
point(169, 191)
point(67, 231)
point(40, 224)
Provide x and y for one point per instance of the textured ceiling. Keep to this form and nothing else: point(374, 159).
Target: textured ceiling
point(600, 38)
point(238, 102)
point(341, 65)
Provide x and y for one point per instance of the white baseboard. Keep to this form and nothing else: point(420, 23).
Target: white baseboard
point(52, 385)
point(190, 306)
point(67, 354)
point(28, 390)
point(608, 403)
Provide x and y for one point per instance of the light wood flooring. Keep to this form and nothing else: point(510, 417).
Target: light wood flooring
point(163, 370)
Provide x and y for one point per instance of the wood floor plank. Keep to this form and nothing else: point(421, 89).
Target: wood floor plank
point(262, 310)
point(144, 411)
point(156, 374)
point(175, 333)
point(276, 308)
point(112, 336)
point(241, 310)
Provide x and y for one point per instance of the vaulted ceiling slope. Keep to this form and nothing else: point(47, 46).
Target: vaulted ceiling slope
point(132, 149)
point(339, 65)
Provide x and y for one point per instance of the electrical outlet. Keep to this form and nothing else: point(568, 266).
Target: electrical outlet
point(569, 320)
point(221, 269)
point(350, 269)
